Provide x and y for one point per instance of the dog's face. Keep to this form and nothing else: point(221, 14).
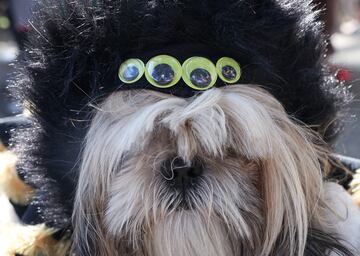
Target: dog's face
point(225, 172)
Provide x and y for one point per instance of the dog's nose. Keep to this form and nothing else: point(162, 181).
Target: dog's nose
point(180, 174)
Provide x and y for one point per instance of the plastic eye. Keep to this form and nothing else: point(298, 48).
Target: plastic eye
point(131, 71)
point(199, 73)
point(228, 70)
point(163, 71)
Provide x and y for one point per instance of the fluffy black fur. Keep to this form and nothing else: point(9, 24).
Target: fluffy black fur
point(319, 243)
point(74, 51)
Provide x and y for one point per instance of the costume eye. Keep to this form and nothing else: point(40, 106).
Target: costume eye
point(131, 71)
point(199, 73)
point(163, 71)
point(228, 70)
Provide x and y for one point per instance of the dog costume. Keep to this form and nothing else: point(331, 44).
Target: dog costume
point(179, 128)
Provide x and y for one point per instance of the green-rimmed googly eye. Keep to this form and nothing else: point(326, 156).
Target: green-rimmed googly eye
point(199, 73)
point(163, 71)
point(228, 70)
point(131, 71)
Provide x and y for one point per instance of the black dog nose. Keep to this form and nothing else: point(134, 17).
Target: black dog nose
point(180, 174)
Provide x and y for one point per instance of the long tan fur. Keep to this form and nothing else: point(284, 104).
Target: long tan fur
point(30, 240)
point(10, 183)
point(16, 238)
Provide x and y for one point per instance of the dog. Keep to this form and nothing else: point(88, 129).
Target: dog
point(182, 128)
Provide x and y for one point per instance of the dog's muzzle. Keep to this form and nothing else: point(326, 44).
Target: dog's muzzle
point(181, 175)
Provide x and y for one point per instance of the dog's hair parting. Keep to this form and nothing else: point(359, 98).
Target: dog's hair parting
point(260, 194)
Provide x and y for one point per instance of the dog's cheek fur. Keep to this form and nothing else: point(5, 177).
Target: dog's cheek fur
point(139, 209)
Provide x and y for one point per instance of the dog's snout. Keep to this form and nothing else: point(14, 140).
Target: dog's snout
point(181, 174)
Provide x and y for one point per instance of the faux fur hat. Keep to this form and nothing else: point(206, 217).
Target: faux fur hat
point(75, 49)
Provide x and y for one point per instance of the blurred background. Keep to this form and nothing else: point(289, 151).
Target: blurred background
point(342, 19)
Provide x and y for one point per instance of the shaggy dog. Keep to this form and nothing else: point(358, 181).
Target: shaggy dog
point(158, 170)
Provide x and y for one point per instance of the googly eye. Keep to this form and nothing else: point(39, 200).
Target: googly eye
point(199, 73)
point(131, 71)
point(228, 70)
point(163, 71)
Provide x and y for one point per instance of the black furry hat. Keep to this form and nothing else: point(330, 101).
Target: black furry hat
point(75, 49)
